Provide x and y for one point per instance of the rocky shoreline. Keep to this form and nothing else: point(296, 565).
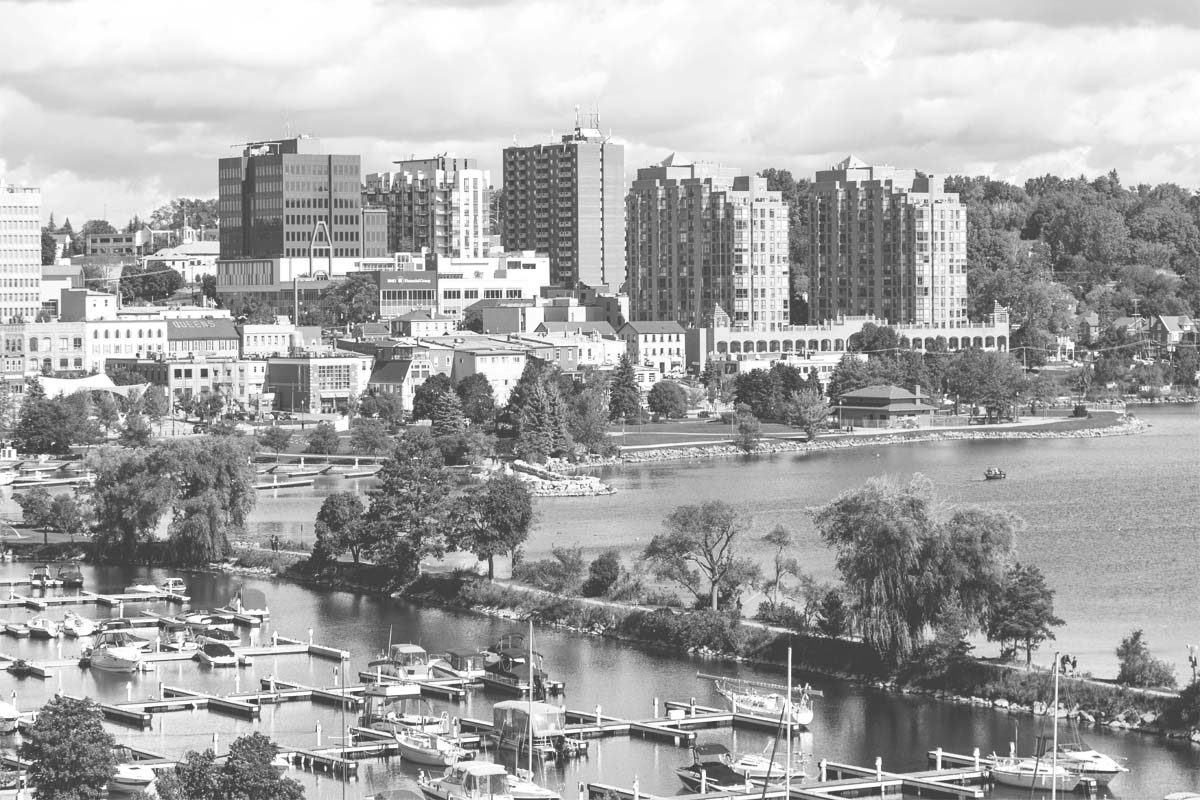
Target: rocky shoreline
point(544, 482)
point(1124, 426)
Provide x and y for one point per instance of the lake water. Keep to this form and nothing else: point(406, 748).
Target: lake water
point(1112, 522)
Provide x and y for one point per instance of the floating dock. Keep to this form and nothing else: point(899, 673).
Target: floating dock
point(15, 600)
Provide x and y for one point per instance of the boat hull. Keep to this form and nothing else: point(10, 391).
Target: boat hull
point(115, 659)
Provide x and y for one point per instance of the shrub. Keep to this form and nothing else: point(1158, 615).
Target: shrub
point(782, 615)
point(1138, 667)
point(1187, 711)
point(834, 619)
point(560, 574)
point(603, 573)
point(1079, 411)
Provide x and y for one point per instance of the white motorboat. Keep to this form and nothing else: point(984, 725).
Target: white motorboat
point(216, 654)
point(464, 664)
point(208, 620)
point(109, 657)
point(522, 787)
point(131, 778)
point(75, 626)
point(429, 749)
point(44, 628)
point(173, 586)
point(403, 661)
point(176, 636)
point(17, 629)
point(757, 767)
point(467, 780)
point(113, 632)
point(250, 603)
point(1078, 757)
point(9, 717)
point(1032, 773)
point(41, 578)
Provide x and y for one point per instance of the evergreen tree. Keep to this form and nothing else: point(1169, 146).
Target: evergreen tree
point(624, 397)
point(535, 439)
point(448, 418)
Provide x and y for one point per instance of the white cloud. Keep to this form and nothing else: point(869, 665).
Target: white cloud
point(129, 104)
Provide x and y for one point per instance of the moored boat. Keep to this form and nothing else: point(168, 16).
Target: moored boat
point(131, 778)
point(994, 474)
point(17, 629)
point(21, 668)
point(1032, 773)
point(70, 576)
point(75, 626)
point(464, 664)
point(44, 628)
point(9, 718)
point(511, 666)
point(141, 588)
point(403, 661)
point(711, 770)
point(531, 726)
point(111, 634)
point(745, 696)
point(109, 656)
point(173, 586)
point(249, 603)
point(467, 780)
point(41, 578)
point(428, 749)
point(216, 654)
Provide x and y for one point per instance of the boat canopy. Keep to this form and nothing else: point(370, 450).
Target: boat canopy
point(706, 753)
point(510, 717)
point(407, 654)
point(218, 649)
point(251, 599)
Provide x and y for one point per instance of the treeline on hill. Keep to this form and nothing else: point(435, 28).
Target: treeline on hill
point(1056, 247)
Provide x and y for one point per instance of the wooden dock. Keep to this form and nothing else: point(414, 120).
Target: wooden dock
point(454, 689)
point(15, 600)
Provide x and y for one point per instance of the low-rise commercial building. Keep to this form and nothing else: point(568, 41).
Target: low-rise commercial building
point(655, 344)
point(319, 383)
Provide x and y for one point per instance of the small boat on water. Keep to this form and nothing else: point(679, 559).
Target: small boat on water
point(141, 588)
point(712, 770)
point(110, 632)
point(173, 586)
point(176, 637)
point(204, 634)
point(70, 576)
point(1078, 757)
point(9, 718)
point(131, 779)
point(20, 668)
point(479, 780)
point(510, 665)
point(464, 664)
point(75, 626)
point(994, 474)
point(250, 603)
point(1032, 773)
point(430, 749)
point(41, 578)
point(403, 661)
point(520, 725)
point(208, 620)
point(17, 629)
point(757, 767)
point(217, 654)
point(44, 628)
point(746, 696)
point(110, 655)
point(522, 786)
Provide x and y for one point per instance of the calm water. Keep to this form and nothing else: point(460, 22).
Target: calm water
point(1111, 521)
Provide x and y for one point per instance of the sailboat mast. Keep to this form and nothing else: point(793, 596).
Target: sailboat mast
point(1054, 736)
point(787, 769)
point(529, 720)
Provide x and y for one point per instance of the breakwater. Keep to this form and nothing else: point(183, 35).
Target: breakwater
point(544, 482)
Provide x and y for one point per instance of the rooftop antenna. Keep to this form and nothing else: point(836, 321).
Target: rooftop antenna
point(577, 115)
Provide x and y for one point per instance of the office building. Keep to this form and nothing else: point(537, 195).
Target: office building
point(705, 244)
point(567, 200)
point(439, 204)
point(20, 252)
point(887, 242)
point(279, 198)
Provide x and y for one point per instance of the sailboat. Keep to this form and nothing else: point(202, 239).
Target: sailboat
point(745, 695)
point(520, 783)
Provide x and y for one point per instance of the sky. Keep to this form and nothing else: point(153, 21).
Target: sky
point(114, 108)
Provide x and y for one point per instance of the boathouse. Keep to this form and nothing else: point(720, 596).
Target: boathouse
point(881, 407)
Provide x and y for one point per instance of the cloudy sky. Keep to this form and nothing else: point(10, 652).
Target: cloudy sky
point(124, 105)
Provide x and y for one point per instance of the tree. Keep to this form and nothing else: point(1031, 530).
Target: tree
point(130, 493)
point(493, 519)
point(806, 409)
point(247, 774)
point(668, 398)
point(348, 302)
point(214, 493)
point(747, 430)
point(70, 752)
point(410, 506)
point(108, 413)
point(196, 777)
point(387, 407)
point(322, 440)
point(850, 374)
point(781, 538)
point(154, 403)
point(368, 436)
point(426, 395)
point(341, 526)
point(49, 247)
point(1139, 668)
point(447, 418)
point(185, 211)
point(699, 543)
point(477, 398)
point(603, 574)
point(35, 507)
point(903, 567)
point(52, 425)
point(833, 618)
point(624, 397)
point(208, 286)
point(136, 431)
point(275, 439)
point(542, 422)
point(588, 421)
point(1023, 613)
point(711, 379)
point(65, 514)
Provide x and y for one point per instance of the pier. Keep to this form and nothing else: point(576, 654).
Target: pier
point(15, 600)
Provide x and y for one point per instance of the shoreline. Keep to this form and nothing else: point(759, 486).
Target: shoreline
point(1123, 424)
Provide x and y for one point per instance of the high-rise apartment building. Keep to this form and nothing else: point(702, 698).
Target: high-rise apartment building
point(441, 204)
point(707, 246)
point(889, 242)
point(280, 196)
point(20, 252)
point(567, 200)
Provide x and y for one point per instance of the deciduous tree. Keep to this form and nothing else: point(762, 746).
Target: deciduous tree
point(341, 526)
point(477, 398)
point(410, 505)
point(667, 398)
point(781, 539)
point(1023, 610)
point(493, 519)
point(70, 752)
point(368, 436)
point(275, 439)
point(322, 440)
point(1139, 668)
point(807, 409)
point(426, 395)
point(699, 545)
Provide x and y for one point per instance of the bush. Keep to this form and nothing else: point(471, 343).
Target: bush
point(603, 572)
point(1080, 411)
point(560, 574)
point(1187, 711)
point(781, 615)
point(1139, 668)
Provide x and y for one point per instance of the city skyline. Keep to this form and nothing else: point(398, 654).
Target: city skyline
point(119, 108)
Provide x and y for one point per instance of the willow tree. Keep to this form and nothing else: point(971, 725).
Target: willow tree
point(905, 568)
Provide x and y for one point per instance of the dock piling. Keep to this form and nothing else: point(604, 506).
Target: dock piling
point(937, 758)
point(879, 768)
point(824, 766)
point(318, 733)
point(656, 708)
point(598, 720)
point(975, 755)
point(129, 691)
